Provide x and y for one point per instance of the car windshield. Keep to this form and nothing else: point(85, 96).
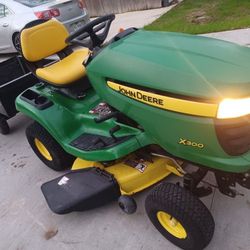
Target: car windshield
point(33, 3)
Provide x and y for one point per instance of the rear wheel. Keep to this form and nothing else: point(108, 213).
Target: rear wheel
point(47, 148)
point(4, 127)
point(16, 41)
point(180, 216)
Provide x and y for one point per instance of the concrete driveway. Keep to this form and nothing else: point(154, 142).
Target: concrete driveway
point(27, 222)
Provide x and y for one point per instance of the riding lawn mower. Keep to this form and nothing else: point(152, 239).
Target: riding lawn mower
point(125, 114)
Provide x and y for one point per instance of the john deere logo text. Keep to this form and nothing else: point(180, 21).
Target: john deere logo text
point(186, 142)
point(162, 101)
point(139, 96)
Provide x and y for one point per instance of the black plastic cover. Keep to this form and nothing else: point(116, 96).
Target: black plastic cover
point(234, 135)
point(123, 34)
point(80, 190)
point(36, 100)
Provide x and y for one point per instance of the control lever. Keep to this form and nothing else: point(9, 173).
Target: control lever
point(106, 117)
point(114, 130)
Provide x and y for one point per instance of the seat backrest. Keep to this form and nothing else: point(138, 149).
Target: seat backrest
point(43, 40)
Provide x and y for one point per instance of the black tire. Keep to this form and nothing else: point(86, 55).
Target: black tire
point(4, 127)
point(165, 3)
point(59, 159)
point(186, 209)
point(16, 41)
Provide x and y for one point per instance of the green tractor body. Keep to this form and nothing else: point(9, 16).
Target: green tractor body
point(146, 104)
point(176, 65)
point(179, 64)
point(171, 65)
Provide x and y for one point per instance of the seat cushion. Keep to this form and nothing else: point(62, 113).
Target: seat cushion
point(65, 71)
point(43, 40)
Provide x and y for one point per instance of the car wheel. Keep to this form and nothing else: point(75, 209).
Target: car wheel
point(17, 42)
point(180, 216)
point(165, 3)
point(47, 148)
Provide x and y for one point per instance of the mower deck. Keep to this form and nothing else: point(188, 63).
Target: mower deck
point(91, 185)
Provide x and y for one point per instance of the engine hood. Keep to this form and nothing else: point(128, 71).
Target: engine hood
point(180, 64)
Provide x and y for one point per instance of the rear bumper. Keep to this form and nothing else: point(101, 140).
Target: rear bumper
point(83, 19)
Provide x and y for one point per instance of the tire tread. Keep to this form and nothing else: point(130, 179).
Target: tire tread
point(188, 207)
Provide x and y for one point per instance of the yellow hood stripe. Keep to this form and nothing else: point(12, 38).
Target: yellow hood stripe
point(167, 103)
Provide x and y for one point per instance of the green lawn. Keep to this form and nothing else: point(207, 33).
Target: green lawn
point(204, 16)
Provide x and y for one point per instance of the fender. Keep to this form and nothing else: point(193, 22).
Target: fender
point(71, 123)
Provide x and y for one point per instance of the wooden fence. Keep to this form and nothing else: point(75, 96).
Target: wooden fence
point(102, 7)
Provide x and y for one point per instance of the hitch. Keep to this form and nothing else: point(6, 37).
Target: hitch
point(227, 182)
point(192, 180)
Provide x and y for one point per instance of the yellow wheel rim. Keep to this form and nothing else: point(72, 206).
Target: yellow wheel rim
point(43, 150)
point(172, 225)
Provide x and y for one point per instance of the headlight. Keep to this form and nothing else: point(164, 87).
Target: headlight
point(232, 108)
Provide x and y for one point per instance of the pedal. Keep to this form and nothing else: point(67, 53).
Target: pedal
point(91, 142)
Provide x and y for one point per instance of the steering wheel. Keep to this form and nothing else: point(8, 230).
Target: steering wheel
point(90, 30)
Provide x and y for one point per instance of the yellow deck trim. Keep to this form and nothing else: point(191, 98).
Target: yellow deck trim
point(82, 164)
point(166, 102)
point(130, 179)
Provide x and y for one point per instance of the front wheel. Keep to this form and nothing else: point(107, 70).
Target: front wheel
point(180, 216)
point(47, 148)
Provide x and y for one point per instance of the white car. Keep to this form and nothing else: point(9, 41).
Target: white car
point(15, 14)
